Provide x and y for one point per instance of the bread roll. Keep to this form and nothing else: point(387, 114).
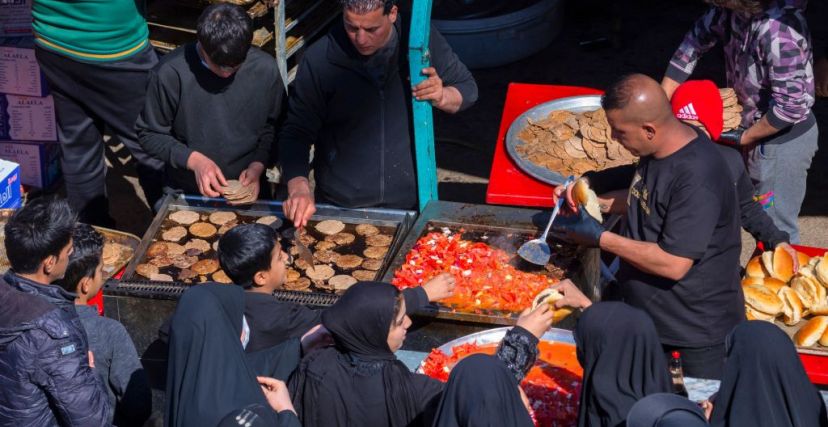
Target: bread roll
point(753, 314)
point(756, 269)
point(792, 306)
point(805, 288)
point(819, 310)
point(783, 265)
point(807, 271)
point(587, 198)
point(821, 270)
point(773, 284)
point(823, 340)
point(550, 296)
point(750, 281)
point(811, 332)
point(803, 259)
point(767, 262)
point(763, 299)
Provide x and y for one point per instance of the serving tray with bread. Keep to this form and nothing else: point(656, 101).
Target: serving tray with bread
point(796, 300)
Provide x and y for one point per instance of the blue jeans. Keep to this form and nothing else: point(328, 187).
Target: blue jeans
point(779, 172)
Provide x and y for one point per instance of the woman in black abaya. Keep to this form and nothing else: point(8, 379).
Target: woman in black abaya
point(764, 383)
point(208, 376)
point(481, 392)
point(619, 349)
point(360, 382)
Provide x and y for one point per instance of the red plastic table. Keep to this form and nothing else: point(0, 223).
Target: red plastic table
point(508, 184)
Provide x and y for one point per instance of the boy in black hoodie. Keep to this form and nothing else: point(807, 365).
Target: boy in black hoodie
point(252, 257)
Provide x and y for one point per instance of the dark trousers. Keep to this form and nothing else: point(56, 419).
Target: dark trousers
point(700, 362)
point(88, 98)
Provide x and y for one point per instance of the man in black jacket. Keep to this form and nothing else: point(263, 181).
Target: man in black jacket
point(45, 371)
point(212, 106)
point(352, 101)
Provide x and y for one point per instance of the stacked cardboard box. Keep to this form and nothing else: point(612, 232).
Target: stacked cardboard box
point(28, 127)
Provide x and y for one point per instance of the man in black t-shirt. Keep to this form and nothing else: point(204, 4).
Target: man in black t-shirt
point(680, 249)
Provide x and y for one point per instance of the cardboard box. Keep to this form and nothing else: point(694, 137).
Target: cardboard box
point(39, 161)
point(27, 118)
point(19, 71)
point(15, 18)
point(9, 185)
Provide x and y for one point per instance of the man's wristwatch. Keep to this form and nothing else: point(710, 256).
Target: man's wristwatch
point(732, 137)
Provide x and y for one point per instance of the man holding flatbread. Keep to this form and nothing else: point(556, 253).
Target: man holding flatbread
point(681, 244)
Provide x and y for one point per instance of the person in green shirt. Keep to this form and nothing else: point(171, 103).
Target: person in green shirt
point(96, 57)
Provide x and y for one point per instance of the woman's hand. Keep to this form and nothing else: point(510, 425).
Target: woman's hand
point(276, 393)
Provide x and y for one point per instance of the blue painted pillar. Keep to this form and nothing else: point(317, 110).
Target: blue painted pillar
point(419, 58)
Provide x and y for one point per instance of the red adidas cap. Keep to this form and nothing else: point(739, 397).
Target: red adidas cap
point(700, 100)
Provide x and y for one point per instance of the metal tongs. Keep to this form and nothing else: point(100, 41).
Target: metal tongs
point(537, 251)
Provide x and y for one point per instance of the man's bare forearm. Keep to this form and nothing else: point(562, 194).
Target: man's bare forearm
point(759, 131)
point(646, 256)
point(452, 100)
point(614, 202)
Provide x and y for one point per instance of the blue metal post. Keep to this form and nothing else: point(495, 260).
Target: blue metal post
point(419, 58)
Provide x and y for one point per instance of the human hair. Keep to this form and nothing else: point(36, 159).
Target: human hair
point(87, 250)
point(398, 301)
point(749, 6)
point(364, 6)
point(245, 250)
point(225, 32)
point(618, 94)
point(39, 230)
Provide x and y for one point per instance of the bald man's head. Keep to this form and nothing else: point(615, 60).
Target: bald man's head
point(639, 113)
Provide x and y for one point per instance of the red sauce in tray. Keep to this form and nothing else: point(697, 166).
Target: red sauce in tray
point(553, 385)
point(484, 278)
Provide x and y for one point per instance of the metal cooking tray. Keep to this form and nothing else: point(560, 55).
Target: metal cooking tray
point(494, 336)
point(497, 221)
point(575, 104)
point(136, 285)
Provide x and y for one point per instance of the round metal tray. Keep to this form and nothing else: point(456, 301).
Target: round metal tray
point(576, 104)
point(492, 336)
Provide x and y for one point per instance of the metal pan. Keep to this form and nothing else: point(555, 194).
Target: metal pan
point(575, 104)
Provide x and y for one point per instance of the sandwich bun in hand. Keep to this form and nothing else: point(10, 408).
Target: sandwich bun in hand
point(550, 296)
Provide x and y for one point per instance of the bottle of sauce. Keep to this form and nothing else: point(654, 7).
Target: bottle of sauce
point(677, 374)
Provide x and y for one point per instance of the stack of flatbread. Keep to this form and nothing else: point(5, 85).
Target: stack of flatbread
point(237, 194)
point(732, 111)
point(572, 143)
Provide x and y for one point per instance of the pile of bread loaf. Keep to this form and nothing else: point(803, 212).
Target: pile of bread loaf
point(772, 290)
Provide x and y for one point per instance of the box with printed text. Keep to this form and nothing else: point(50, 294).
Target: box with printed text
point(15, 18)
point(39, 161)
point(9, 185)
point(19, 71)
point(27, 118)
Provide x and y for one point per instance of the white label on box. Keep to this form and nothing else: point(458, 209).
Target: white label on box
point(28, 118)
point(15, 18)
point(28, 157)
point(19, 72)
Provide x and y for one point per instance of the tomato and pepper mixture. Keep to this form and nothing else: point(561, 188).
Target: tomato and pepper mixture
point(484, 278)
point(553, 385)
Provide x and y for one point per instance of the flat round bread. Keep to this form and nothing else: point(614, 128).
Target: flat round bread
point(215, 245)
point(161, 261)
point(326, 256)
point(222, 217)
point(184, 217)
point(320, 272)
point(330, 226)
point(174, 249)
point(113, 252)
point(184, 261)
point(341, 238)
point(156, 249)
point(221, 277)
point(161, 277)
point(227, 227)
point(300, 264)
point(376, 252)
point(341, 282)
point(349, 261)
point(270, 220)
point(186, 275)
point(174, 234)
point(200, 244)
point(364, 275)
point(325, 246)
point(379, 240)
point(306, 238)
point(301, 284)
point(372, 264)
point(292, 275)
point(205, 266)
point(146, 270)
point(366, 230)
point(203, 229)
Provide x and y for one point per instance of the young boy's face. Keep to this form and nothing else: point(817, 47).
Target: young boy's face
point(275, 277)
point(96, 281)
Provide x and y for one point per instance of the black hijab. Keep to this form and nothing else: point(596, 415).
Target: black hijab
point(764, 383)
point(618, 347)
point(359, 323)
point(481, 391)
point(208, 376)
point(666, 410)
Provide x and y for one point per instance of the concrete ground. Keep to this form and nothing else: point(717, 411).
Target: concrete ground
point(647, 33)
